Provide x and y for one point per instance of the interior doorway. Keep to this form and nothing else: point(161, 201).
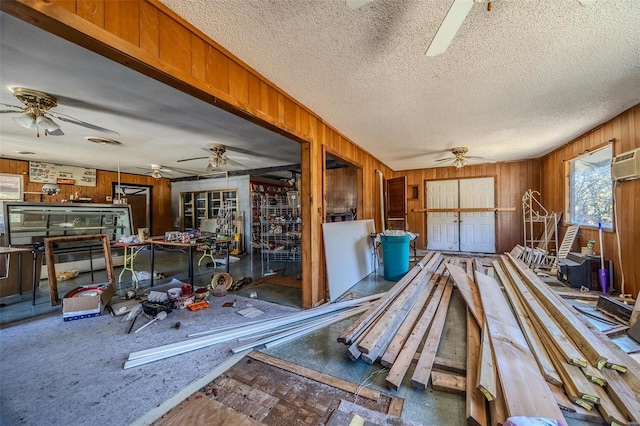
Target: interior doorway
point(456, 219)
point(139, 198)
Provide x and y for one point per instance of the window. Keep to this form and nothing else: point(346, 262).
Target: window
point(591, 189)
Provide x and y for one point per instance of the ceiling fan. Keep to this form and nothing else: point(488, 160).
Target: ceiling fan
point(460, 157)
point(36, 113)
point(157, 171)
point(452, 22)
point(218, 157)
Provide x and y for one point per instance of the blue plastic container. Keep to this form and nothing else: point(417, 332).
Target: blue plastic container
point(395, 256)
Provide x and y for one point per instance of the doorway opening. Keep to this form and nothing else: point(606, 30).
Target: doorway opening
point(137, 196)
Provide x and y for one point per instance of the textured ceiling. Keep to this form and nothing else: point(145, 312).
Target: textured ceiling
point(516, 82)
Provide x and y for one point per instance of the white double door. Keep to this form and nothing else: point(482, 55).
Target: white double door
point(457, 229)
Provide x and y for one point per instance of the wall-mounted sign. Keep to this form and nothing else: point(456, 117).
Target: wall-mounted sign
point(59, 173)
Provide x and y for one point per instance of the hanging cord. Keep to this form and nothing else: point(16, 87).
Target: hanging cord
point(615, 216)
point(368, 381)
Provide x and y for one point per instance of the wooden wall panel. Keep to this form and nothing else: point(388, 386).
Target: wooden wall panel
point(92, 11)
point(174, 43)
point(161, 192)
point(512, 179)
point(625, 131)
point(122, 19)
point(149, 31)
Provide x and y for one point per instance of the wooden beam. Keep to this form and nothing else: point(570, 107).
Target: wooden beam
point(353, 330)
point(543, 322)
point(465, 210)
point(526, 324)
point(476, 404)
point(580, 334)
point(515, 363)
point(486, 381)
point(335, 382)
point(617, 310)
point(401, 365)
point(469, 290)
point(635, 314)
point(402, 334)
point(422, 372)
point(447, 382)
point(449, 365)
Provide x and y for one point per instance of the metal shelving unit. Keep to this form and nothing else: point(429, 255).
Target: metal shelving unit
point(280, 231)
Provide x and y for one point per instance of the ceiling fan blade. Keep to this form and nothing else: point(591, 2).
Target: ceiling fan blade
point(56, 132)
point(190, 159)
point(449, 27)
point(356, 4)
point(15, 108)
point(69, 119)
point(234, 163)
point(440, 160)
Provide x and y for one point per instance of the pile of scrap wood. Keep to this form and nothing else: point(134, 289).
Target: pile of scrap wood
point(529, 353)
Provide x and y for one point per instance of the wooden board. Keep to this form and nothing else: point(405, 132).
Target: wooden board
point(476, 407)
point(401, 365)
point(447, 382)
point(528, 328)
point(514, 361)
point(486, 381)
point(335, 382)
point(469, 291)
point(402, 334)
point(422, 372)
point(348, 254)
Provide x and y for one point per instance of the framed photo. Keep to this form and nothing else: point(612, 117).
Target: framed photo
point(10, 187)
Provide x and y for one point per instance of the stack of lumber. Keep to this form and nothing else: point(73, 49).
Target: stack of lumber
point(529, 352)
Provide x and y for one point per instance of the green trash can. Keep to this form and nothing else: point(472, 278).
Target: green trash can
point(395, 256)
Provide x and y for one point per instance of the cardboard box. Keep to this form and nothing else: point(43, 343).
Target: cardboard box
point(86, 306)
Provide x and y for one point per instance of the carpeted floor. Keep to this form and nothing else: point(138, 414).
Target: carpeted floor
point(71, 373)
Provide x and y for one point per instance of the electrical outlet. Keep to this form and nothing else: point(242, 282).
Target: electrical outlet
point(108, 198)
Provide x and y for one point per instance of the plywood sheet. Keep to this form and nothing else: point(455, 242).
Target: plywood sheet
point(348, 254)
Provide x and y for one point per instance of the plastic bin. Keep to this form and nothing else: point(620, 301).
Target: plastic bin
point(395, 256)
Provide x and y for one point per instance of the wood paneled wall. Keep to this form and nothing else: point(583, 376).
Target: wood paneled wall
point(147, 36)
point(512, 179)
point(161, 192)
point(625, 132)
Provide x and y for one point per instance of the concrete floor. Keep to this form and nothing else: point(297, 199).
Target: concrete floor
point(319, 350)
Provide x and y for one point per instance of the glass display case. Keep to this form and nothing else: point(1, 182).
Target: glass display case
point(30, 223)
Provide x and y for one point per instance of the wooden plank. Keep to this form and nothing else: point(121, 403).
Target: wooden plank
point(401, 365)
point(525, 391)
point(401, 336)
point(579, 390)
point(408, 306)
point(610, 413)
point(498, 408)
point(351, 331)
point(452, 366)
point(573, 411)
point(486, 381)
point(395, 406)
point(526, 325)
point(447, 382)
point(469, 291)
point(422, 372)
point(476, 407)
point(616, 330)
point(398, 307)
point(316, 375)
point(543, 322)
point(583, 338)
